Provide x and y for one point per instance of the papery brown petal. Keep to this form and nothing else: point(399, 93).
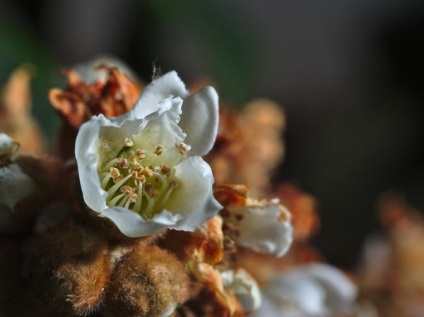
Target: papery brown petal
point(69, 106)
point(231, 194)
point(206, 243)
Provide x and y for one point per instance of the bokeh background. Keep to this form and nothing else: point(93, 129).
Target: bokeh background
point(348, 73)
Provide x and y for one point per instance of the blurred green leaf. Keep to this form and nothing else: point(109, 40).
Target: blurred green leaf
point(18, 46)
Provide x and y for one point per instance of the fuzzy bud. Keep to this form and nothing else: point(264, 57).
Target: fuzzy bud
point(148, 282)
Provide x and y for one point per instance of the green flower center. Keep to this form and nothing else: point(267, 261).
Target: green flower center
point(136, 180)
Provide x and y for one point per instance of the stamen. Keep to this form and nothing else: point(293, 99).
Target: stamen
point(111, 163)
point(127, 204)
point(114, 172)
point(140, 154)
point(116, 199)
point(137, 167)
point(115, 187)
point(147, 172)
point(123, 202)
point(105, 180)
point(182, 147)
point(123, 163)
point(137, 205)
point(165, 198)
point(159, 150)
point(148, 213)
point(128, 142)
point(165, 170)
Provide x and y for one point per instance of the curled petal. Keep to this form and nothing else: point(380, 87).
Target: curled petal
point(194, 199)
point(159, 89)
point(263, 230)
point(244, 287)
point(200, 120)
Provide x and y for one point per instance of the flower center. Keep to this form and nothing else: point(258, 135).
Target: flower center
point(138, 179)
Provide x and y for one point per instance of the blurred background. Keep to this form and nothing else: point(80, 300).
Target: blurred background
point(348, 74)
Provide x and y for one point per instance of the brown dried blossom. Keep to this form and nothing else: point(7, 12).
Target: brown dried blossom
point(80, 101)
point(392, 273)
point(249, 146)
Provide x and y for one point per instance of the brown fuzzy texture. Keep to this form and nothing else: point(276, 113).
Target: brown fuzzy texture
point(84, 282)
point(147, 282)
point(67, 265)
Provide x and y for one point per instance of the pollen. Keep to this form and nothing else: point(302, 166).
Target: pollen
point(139, 180)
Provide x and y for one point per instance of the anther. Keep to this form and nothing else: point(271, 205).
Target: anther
point(128, 142)
point(133, 197)
point(165, 170)
point(182, 147)
point(147, 172)
point(137, 167)
point(127, 190)
point(123, 163)
point(114, 172)
point(148, 188)
point(140, 154)
point(159, 150)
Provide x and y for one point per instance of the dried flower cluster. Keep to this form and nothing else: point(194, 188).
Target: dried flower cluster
point(125, 217)
point(392, 272)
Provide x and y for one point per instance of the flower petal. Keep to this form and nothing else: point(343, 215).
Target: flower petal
point(193, 199)
point(244, 286)
point(200, 120)
point(86, 153)
point(262, 230)
point(133, 225)
point(14, 186)
point(315, 289)
point(162, 128)
point(159, 89)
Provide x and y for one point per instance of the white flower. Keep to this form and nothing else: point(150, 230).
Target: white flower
point(261, 225)
point(143, 170)
point(244, 287)
point(14, 185)
point(314, 290)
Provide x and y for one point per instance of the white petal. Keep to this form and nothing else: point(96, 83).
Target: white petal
point(339, 289)
point(14, 186)
point(193, 199)
point(200, 120)
point(8, 147)
point(86, 153)
point(244, 287)
point(133, 225)
point(162, 128)
point(302, 293)
point(168, 85)
point(316, 289)
point(262, 231)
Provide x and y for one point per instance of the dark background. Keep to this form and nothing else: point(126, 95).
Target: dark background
point(348, 73)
